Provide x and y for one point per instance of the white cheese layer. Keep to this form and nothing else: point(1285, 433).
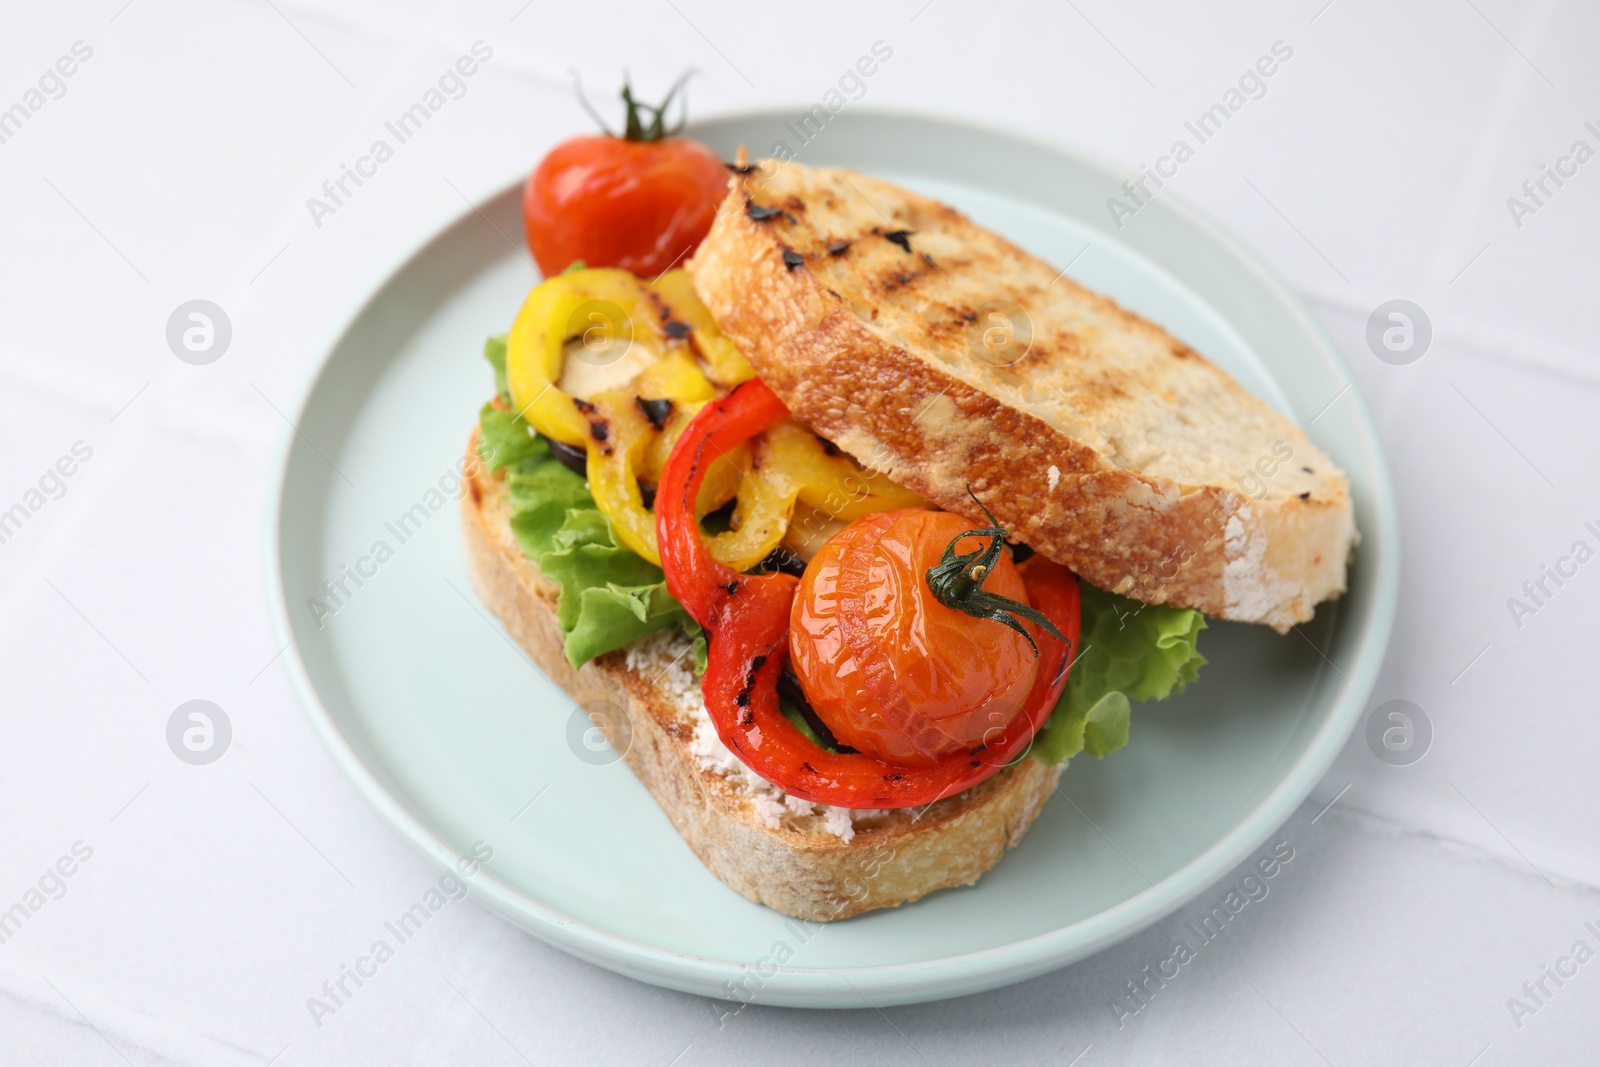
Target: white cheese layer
point(664, 657)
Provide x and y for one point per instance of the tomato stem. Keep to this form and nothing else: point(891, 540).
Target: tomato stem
point(956, 581)
point(642, 123)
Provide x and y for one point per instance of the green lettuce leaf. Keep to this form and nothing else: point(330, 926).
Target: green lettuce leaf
point(798, 721)
point(610, 596)
point(494, 350)
point(1129, 651)
point(505, 440)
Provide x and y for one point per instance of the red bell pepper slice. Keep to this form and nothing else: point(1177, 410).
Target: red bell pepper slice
point(747, 617)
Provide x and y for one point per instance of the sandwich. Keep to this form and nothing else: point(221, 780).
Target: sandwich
point(850, 523)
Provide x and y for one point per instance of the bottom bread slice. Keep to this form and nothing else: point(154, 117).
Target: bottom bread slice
point(801, 859)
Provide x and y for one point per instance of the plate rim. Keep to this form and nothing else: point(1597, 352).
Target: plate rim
point(890, 983)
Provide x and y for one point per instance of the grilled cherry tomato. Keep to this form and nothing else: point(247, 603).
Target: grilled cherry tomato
point(892, 671)
point(748, 619)
point(640, 201)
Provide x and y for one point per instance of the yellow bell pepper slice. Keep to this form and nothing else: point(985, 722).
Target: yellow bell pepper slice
point(726, 363)
point(760, 518)
point(598, 307)
point(613, 471)
point(799, 492)
point(624, 447)
point(607, 313)
point(677, 378)
point(830, 482)
point(723, 476)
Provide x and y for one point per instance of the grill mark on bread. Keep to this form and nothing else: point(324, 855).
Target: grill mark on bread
point(758, 213)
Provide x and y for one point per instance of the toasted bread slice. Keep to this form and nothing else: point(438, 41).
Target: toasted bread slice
point(943, 355)
point(817, 864)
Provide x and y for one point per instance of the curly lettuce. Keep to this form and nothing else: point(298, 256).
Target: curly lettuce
point(610, 597)
point(1128, 651)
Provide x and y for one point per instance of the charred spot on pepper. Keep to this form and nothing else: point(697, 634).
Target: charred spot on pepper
point(808, 767)
point(743, 700)
point(677, 330)
point(659, 304)
point(599, 429)
point(657, 411)
point(731, 588)
point(792, 259)
point(757, 662)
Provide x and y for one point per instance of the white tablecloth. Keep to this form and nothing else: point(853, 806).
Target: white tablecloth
point(175, 162)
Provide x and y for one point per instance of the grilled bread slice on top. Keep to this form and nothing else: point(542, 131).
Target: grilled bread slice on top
point(801, 859)
point(937, 352)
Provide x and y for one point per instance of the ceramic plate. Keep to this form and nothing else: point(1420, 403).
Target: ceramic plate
point(454, 737)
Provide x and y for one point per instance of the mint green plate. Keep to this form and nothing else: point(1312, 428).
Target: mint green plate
point(448, 731)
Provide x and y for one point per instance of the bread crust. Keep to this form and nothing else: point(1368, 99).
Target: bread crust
point(798, 868)
point(867, 346)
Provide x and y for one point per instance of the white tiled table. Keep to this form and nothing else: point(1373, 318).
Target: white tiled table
point(176, 162)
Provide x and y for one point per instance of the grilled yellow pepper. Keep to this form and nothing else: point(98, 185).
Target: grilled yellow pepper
point(725, 364)
point(828, 481)
point(619, 323)
point(626, 448)
point(603, 316)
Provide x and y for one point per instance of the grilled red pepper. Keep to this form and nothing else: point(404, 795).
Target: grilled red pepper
point(748, 620)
